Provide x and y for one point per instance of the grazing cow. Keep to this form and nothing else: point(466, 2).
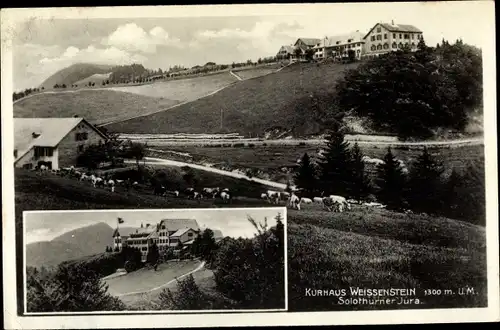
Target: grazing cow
point(294, 201)
point(111, 184)
point(306, 200)
point(211, 192)
point(99, 182)
point(318, 200)
point(336, 203)
point(84, 177)
point(263, 196)
point(226, 197)
point(273, 196)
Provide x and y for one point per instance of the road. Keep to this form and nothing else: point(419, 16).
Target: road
point(166, 162)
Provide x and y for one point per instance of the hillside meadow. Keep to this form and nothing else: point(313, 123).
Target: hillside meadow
point(250, 107)
point(96, 106)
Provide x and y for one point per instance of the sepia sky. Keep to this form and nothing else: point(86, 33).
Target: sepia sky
point(44, 46)
point(44, 226)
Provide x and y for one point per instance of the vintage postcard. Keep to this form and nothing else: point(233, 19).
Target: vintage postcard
point(291, 164)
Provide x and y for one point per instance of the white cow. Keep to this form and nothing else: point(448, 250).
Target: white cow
point(335, 202)
point(294, 201)
point(318, 200)
point(111, 184)
point(263, 196)
point(226, 197)
point(273, 196)
point(306, 200)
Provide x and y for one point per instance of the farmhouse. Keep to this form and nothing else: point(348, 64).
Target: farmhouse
point(53, 142)
point(167, 233)
point(384, 38)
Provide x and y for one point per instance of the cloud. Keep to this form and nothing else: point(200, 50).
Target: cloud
point(131, 37)
point(110, 55)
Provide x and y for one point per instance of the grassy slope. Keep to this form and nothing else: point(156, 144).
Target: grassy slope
point(96, 106)
point(97, 79)
point(250, 106)
point(182, 90)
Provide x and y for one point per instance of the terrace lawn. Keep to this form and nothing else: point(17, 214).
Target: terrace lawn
point(147, 279)
point(249, 107)
point(182, 90)
point(97, 106)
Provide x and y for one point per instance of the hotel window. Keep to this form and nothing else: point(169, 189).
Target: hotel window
point(373, 38)
point(412, 36)
point(379, 29)
point(386, 46)
point(190, 234)
point(394, 35)
point(373, 47)
point(400, 45)
point(385, 35)
point(379, 37)
point(80, 148)
point(407, 36)
point(81, 136)
point(394, 45)
point(412, 45)
point(400, 36)
point(15, 153)
point(379, 47)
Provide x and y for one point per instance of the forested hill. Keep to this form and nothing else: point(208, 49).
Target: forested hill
point(74, 73)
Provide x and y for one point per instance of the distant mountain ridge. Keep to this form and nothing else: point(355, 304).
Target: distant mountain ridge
point(75, 73)
point(74, 244)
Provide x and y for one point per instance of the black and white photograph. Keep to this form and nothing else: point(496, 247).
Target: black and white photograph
point(369, 127)
point(150, 260)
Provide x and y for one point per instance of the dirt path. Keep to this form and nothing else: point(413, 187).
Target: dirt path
point(235, 75)
point(166, 162)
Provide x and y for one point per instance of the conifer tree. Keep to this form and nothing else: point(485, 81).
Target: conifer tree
point(335, 175)
point(425, 185)
point(360, 182)
point(305, 175)
point(391, 182)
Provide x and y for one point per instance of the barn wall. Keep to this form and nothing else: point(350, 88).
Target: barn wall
point(68, 147)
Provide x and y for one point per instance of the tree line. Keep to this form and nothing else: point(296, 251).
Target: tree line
point(26, 92)
point(423, 188)
point(415, 94)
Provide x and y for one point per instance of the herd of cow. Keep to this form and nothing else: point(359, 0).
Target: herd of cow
point(293, 199)
point(333, 203)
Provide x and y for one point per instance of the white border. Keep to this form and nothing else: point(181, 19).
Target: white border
point(491, 313)
point(282, 210)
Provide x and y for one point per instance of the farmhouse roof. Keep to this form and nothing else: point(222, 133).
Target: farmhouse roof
point(395, 28)
point(309, 41)
point(43, 132)
point(176, 224)
point(125, 231)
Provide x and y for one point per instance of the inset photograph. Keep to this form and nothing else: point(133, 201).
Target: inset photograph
point(176, 260)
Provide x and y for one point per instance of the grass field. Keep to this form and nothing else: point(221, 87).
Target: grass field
point(182, 89)
point(257, 72)
point(96, 106)
point(146, 279)
point(249, 107)
point(383, 250)
point(271, 159)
